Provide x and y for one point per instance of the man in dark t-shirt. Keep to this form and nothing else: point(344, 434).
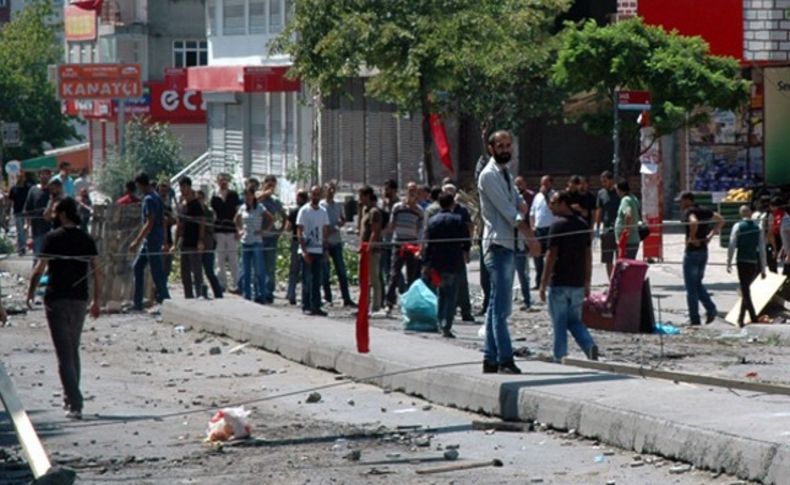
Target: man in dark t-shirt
point(35, 204)
point(567, 275)
point(607, 205)
point(701, 225)
point(18, 197)
point(71, 258)
point(295, 268)
point(225, 204)
point(191, 234)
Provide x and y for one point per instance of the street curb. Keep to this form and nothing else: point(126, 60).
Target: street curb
point(504, 396)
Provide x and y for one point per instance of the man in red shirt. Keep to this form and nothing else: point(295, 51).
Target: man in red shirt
point(128, 197)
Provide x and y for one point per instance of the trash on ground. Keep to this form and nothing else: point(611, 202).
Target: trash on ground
point(666, 329)
point(313, 398)
point(238, 348)
point(214, 351)
point(228, 423)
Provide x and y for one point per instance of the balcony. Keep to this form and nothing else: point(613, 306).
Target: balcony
point(123, 17)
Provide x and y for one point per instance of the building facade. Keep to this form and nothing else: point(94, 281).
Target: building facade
point(165, 37)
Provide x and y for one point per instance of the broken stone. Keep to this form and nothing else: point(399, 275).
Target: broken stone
point(350, 402)
point(678, 469)
point(355, 455)
point(313, 397)
point(214, 351)
point(536, 480)
point(422, 441)
point(451, 455)
point(635, 464)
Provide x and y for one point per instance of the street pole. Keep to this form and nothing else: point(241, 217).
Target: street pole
point(121, 125)
point(615, 135)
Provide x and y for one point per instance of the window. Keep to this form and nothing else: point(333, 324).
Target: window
point(275, 16)
point(211, 17)
point(257, 16)
point(289, 10)
point(189, 53)
point(233, 17)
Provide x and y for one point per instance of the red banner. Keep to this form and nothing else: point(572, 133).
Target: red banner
point(99, 81)
point(363, 325)
point(440, 140)
point(94, 5)
point(79, 24)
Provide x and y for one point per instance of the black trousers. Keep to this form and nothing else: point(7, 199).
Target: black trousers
point(399, 260)
point(747, 273)
point(65, 319)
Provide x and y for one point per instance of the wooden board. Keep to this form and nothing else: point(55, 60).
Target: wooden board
point(31, 445)
point(763, 291)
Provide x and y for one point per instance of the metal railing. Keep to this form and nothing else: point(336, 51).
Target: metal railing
point(198, 167)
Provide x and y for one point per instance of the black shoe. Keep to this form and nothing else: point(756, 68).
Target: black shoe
point(319, 313)
point(468, 318)
point(292, 302)
point(509, 368)
point(592, 354)
point(350, 304)
point(490, 367)
point(448, 333)
point(710, 318)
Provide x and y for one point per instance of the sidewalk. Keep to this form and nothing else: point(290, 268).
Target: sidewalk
point(709, 427)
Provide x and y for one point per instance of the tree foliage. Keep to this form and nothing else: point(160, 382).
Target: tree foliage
point(418, 50)
point(680, 72)
point(149, 148)
point(27, 47)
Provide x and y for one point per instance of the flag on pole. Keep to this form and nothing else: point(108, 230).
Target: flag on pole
point(88, 4)
point(440, 140)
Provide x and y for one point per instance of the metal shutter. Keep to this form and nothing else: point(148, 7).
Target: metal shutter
point(216, 120)
point(234, 136)
point(193, 139)
point(259, 132)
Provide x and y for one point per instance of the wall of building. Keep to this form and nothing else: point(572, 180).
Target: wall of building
point(5, 11)
point(169, 21)
point(766, 30)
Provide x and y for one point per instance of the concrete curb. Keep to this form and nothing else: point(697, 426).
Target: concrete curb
point(701, 442)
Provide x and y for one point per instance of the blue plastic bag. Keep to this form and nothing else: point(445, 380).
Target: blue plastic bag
point(666, 329)
point(420, 308)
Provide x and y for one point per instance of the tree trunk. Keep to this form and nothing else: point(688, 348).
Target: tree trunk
point(427, 139)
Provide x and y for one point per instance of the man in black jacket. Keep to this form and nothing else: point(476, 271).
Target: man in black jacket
point(448, 241)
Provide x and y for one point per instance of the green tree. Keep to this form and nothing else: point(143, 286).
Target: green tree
point(27, 47)
point(150, 148)
point(415, 48)
point(680, 73)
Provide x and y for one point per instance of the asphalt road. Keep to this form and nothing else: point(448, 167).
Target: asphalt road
point(151, 390)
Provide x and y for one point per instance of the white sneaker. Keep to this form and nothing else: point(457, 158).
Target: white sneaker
point(379, 314)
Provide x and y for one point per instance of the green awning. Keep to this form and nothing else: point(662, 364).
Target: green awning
point(33, 164)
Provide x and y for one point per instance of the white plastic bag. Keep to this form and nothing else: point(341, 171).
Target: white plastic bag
point(228, 423)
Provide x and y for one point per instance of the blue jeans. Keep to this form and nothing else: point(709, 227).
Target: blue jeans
point(448, 298)
point(21, 235)
point(565, 309)
point(270, 263)
point(294, 272)
point(145, 257)
point(311, 282)
point(522, 271)
point(207, 258)
point(499, 262)
point(336, 255)
point(252, 262)
point(693, 272)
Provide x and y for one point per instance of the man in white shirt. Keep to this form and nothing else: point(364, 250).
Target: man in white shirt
point(541, 218)
point(312, 225)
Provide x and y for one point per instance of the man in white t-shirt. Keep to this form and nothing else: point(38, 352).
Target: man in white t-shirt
point(312, 226)
point(541, 219)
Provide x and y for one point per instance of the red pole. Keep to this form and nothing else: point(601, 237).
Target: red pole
point(363, 325)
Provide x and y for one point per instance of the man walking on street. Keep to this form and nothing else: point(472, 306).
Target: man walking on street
point(747, 238)
point(71, 255)
point(334, 212)
point(65, 180)
point(405, 225)
point(503, 214)
point(371, 227)
point(295, 269)
point(150, 242)
point(389, 199)
point(225, 204)
point(701, 224)
point(276, 209)
point(541, 219)
point(607, 204)
point(191, 233)
point(18, 197)
point(446, 256)
point(312, 226)
point(35, 205)
point(567, 277)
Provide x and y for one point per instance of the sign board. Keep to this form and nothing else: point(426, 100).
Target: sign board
point(11, 135)
point(13, 167)
point(633, 100)
point(79, 24)
point(777, 124)
point(99, 81)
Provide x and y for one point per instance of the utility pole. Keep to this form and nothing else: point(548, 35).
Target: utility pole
point(615, 134)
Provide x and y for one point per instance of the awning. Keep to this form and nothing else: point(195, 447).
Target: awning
point(33, 164)
point(78, 157)
point(241, 79)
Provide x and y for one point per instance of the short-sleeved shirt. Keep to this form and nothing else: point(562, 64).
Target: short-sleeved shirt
point(68, 278)
point(225, 210)
point(371, 216)
point(588, 202)
point(274, 207)
point(37, 201)
point(68, 185)
point(192, 214)
point(313, 220)
point(152, 206)
point(292, 213)
point(628, 203)
point(333, 212)
point(704, 226)
point(568, 235)
point(408, 222)
point(609, 203)
point(18, 195)
point(251, 223)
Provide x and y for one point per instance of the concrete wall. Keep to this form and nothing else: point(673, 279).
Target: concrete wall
point(168, 21)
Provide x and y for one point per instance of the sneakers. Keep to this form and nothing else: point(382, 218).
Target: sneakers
point(592, 354)
point(379, 314)
point(447, 333)
point(490, 367)
point(710, 318)
point(76, 415)
point(508, 368)
point(319, 313)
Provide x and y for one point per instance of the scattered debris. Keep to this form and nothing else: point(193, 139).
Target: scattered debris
point(238, 348)
point(214, 351)
point(313, 398)
point(462, 466)
point(350, 402)
point(677, 470)
point(536, 480)
point(502, 426)
point(599, 459)
point(405, 410)
point(354, 455)
point(451, 455)
point(228, 423)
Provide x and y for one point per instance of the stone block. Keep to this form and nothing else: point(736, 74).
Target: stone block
point(777, 56)
point(761, 35)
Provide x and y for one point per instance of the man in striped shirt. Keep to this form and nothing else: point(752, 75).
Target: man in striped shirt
point(405, 224)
